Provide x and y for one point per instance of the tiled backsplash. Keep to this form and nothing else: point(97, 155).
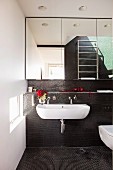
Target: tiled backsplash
point(63, 85)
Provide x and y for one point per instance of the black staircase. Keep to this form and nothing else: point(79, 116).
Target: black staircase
point(83, 61)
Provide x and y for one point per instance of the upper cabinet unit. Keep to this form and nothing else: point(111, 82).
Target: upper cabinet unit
point(53, 48)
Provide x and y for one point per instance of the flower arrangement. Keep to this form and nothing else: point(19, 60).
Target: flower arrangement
point(41, 94)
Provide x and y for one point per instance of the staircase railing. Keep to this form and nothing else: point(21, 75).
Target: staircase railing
point(102, 57)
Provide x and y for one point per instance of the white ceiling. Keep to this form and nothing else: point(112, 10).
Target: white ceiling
point(62, 31)
point(67, 8)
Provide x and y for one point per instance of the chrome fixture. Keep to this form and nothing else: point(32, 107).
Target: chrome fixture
point(48, 100)
point(75, 97)
point(54, 97)
point(62, 126)
point(71, 102)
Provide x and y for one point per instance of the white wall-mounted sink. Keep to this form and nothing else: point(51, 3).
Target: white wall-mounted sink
point(63, 111)
point(106, 135)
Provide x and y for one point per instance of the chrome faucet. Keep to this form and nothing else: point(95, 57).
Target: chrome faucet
point(48, 100)
point(71, 102)
point(75, 97)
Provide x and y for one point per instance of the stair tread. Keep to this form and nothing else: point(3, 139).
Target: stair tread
point(88, 46)
point(87, 71)
point(87, 59)
point(88, 52)
point(87, 40)
point(88, 65)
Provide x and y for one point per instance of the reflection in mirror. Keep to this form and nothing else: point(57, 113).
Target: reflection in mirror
point(68, 48)
point(52, 62)
point(83, 62)
point(72, 28)
point(46, 31)
point(104, 38)
point(48, 62)
point(33, 59)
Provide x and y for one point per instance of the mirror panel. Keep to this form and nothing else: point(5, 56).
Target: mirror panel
point(52, 62)
point(104, 39)
point(47, 61)
point(46, 31)
point(77, 27)
point(33, 60)
point(47, 39)
point(104, 27)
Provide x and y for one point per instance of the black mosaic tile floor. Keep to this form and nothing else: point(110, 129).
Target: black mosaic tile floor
point(66, 158)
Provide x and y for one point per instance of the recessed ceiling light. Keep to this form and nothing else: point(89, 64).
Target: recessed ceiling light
point(44, 24)
point(107, 25)
point(42, 8)
point(76, 25)
point(83, 8)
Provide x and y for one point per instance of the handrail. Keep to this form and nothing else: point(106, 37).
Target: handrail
point(101, 54)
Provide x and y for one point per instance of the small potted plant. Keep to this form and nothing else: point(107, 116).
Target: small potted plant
point(41, 94)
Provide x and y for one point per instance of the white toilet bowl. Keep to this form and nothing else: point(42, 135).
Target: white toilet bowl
point(106, 135)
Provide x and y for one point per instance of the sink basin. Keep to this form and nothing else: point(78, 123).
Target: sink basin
point(106, 135)
point(62, 111)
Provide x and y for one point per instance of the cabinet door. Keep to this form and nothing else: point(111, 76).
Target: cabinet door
point(33, 60)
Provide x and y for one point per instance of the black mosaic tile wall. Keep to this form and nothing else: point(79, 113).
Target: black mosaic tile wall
point(46, 133)
point(62, 85)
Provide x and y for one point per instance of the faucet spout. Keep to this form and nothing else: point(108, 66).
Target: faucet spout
point(71, 101)
point(75, 97)
point(48, 100)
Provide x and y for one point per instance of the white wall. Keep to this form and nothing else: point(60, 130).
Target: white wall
point(12, 83)
point(33, 60)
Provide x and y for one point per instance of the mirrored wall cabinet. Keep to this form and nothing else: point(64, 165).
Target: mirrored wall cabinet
point(68, 48)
